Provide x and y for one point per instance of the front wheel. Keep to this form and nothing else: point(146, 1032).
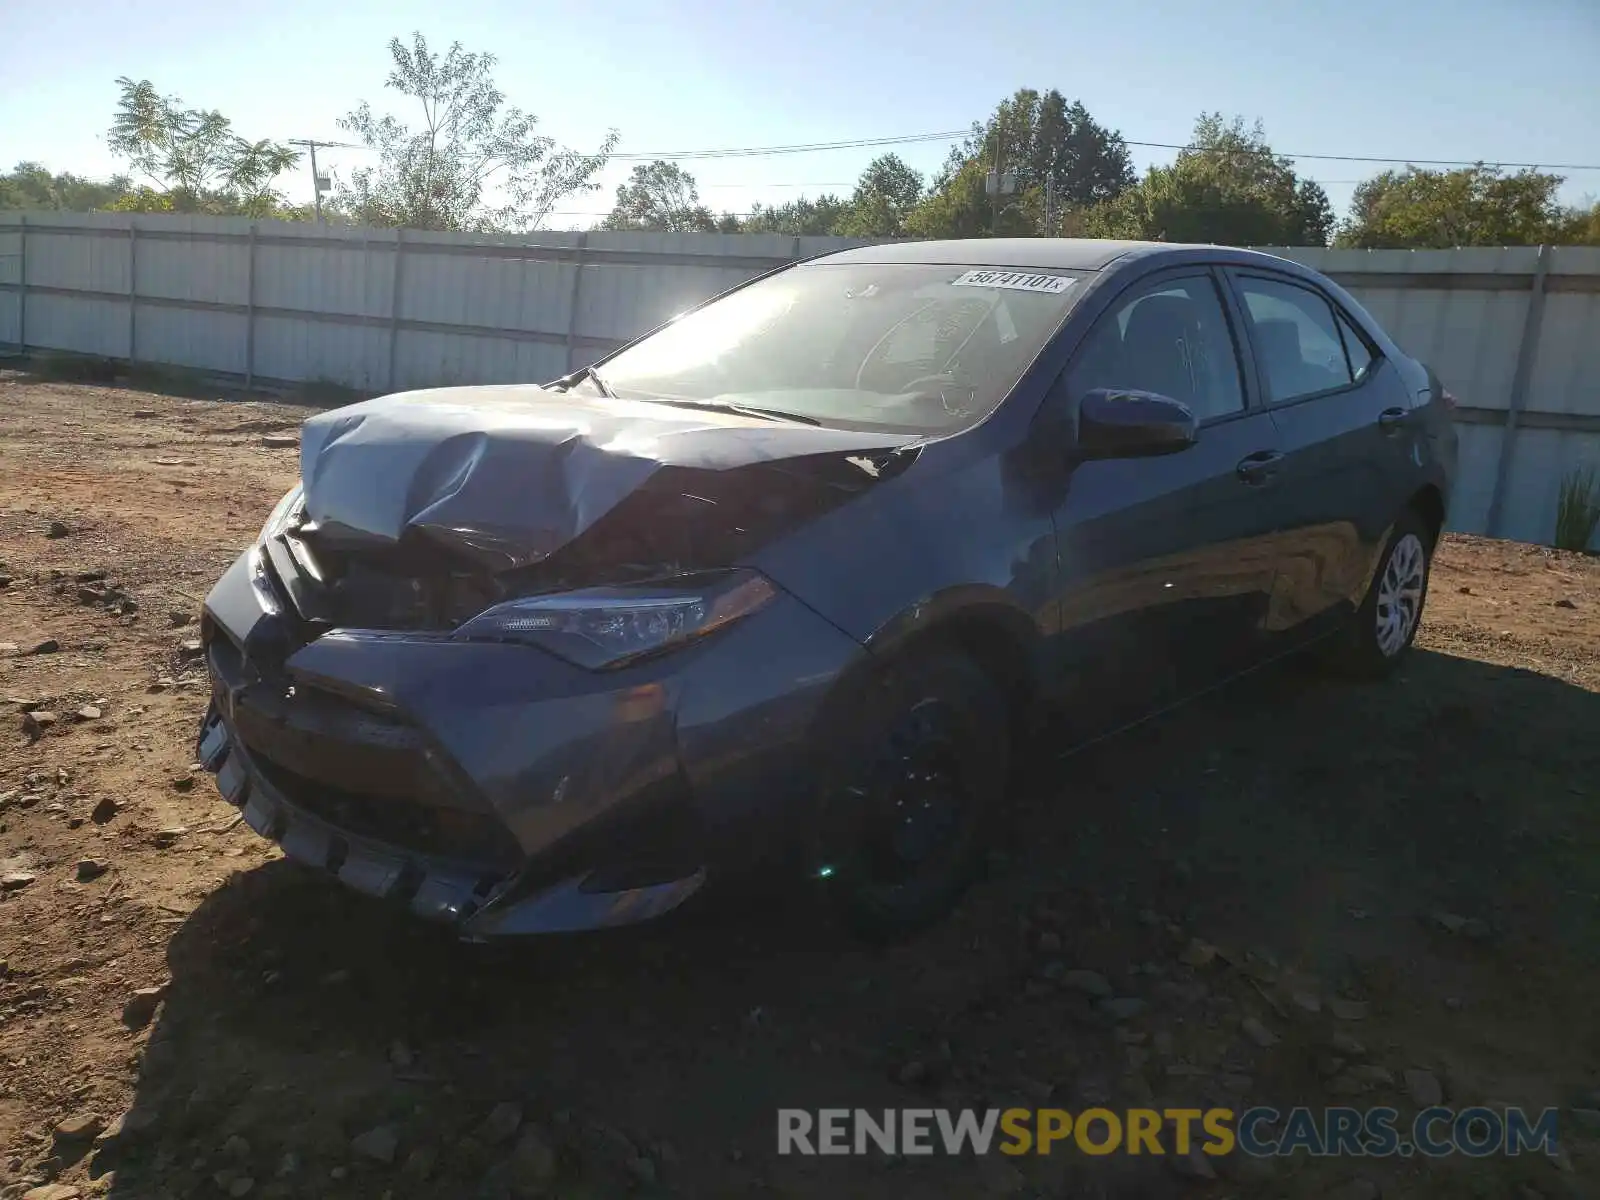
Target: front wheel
point(1387, 621)
point(920, 777)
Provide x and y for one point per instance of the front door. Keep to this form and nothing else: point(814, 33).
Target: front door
point(1165, 564)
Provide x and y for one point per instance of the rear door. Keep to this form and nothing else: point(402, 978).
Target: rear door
point(1343, 415)
point(1166, 563)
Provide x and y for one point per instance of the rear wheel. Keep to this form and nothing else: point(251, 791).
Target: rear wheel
point(1386, 623)
point(920, 776)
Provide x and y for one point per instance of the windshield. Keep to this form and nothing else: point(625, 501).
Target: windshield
point(912, 347)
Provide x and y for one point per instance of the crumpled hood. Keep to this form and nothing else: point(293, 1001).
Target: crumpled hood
point(509, 474)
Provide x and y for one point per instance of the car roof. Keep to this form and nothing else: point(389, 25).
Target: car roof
point(1072, 254)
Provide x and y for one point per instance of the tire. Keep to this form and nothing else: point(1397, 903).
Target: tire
point(921, 764)
point(1384, 627)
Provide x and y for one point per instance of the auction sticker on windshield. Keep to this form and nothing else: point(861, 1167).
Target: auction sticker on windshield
point(1020, 281)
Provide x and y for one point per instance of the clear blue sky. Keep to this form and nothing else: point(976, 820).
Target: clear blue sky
point(1512, 80)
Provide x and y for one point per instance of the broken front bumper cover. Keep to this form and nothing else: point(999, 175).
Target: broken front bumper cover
point(480, 904)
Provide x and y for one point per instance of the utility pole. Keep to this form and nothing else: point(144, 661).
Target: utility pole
point(998, 185)
point(319, 183)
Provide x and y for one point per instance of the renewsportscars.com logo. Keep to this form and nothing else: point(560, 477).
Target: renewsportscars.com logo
point(1258, 1132)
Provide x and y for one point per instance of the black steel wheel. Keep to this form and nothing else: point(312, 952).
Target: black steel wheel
point(922, 774)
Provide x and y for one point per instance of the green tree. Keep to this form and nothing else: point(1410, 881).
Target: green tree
point(29, 185)
point(1474, 206)
point(1227, 187)
point(193, 157)
point(474, 163)
point(797, 218)
point(661, 196)
point(1061, 158)
point(1579, 226)
point(885, 196)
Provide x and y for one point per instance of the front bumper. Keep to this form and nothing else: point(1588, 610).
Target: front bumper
point(439, 889)
point(497, 788)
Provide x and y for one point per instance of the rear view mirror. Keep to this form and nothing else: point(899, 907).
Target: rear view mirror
point(1116, 423)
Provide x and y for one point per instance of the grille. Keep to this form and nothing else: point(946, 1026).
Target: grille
point(406, 824)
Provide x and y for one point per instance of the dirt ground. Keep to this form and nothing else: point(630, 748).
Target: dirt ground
point(1427, 850)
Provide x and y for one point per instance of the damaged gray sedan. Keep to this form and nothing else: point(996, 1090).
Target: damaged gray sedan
point(778, 585)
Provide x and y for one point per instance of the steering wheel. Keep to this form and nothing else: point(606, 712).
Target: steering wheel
point(940, 382)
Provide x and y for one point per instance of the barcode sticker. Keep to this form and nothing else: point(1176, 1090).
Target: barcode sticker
point(1017, 281)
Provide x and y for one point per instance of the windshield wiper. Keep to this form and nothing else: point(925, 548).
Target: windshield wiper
point(742, 410)
point(593, 377)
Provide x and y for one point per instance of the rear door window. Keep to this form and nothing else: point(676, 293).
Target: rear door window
point(1355, 349)
point(1296, 339)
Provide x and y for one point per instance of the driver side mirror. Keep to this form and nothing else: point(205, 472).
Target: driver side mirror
point(1118, 423)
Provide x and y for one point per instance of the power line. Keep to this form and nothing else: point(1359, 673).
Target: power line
point(951, 134)
point(794, 148)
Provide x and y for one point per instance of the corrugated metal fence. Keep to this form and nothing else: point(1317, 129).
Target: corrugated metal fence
point(1515, 332)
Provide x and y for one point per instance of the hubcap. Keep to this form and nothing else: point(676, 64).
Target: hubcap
point(1400, 594)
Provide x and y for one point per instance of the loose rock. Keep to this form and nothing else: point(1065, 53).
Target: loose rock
point(57, 529)
point(91, 868)
point(161, 839)
point(80, 1128)
point(1373, 1074)
point(179, 618)
point(1123, 1008)
point(88, 713)
point(1423, 1087)
point(104, 809)
point(420, 1162)
point(44, 646)
point(378, 1144)
point(52, 1191)
point(1193, 1165)
point(1198, 953)
point(279, 441)
point(1471, 928)
point(1347, 1045)
point(1258, 1033)
point(142, 1005)
point(643, 1169)
point(1565, 603)
point(912, 1073)
point(501, 1123)
point(1348, 1010)
point(35, 723)
point(15, 881)
point(1347, 1085)
point(999, 1178)
point(1090, 983)
point(1356, 1189)
point(1587, 1119)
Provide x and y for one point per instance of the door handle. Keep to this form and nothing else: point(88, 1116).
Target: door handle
point(1393, 420)
point(1256, 469)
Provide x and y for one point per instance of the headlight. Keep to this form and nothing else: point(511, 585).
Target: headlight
point(606, 627)
point(281, 513)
